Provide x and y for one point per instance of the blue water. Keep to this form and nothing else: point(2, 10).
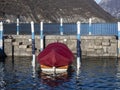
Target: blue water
point(49, 29)
point(68, 29)
point(95, 74)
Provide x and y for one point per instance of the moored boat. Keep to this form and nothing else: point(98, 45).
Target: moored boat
point(56, 57)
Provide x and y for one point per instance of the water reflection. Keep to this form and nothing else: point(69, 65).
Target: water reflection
point(33, 66)
point(54, 81)
point(19, 73)
point(118, 75)
point(57, 79)
point(2, 76)
point(94, 74)
point(97, 74)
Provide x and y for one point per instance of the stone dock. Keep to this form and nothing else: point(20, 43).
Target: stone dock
point(91, 46)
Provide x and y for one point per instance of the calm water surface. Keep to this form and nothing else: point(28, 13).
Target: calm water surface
point(95, 74)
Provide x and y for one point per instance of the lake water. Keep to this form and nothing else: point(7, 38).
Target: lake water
point(95, 74)
point(68, 29)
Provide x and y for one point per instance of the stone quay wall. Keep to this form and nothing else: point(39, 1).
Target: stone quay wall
point(91, 46)
point(99, 46)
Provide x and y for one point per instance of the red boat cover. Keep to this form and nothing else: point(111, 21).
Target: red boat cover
point(56, 54)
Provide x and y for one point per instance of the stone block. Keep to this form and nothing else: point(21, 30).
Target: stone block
point(48, 41)
point(113, 54)
point(72, 45)
point(8, 49)
point(83, 47)
point(7, 40)
point(106, 43)
point(98, 47)
point(52, 37)
point(114, 45)
point(106, 40)
point(17, 43)
point(99, 55)
point(91, 50)
point(29, 49)
point(72, 37)
point(98, 42)
point(22, 52)
point(21, 36)
point(92, 55)
point(118, 44)
point(27, 41)
point(99, 51)
point(118, 57)
point(84, 53)
point(37, 43)
point(99, 37)
point(62, 41)
point(109, 37)
point(38, 37)
point(113, 41)
point(106, 55)
point(64, 37)
point(90, 46)
point(16, 47)
point(112, 50)
point(23, 46)
point(88, 37)
point(105, 49)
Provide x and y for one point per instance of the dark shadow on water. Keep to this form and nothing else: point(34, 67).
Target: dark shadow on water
point(79, 52)
point(99, 57)
point(13, 54)
point(2, 55)
point(58, 79)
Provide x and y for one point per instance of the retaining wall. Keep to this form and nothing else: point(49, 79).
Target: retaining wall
point(93, 46)
point(99, 46)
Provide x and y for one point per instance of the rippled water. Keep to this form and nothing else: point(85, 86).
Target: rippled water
point(95, 74)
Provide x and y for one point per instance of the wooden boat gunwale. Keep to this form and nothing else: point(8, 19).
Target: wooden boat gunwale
point(47, 69)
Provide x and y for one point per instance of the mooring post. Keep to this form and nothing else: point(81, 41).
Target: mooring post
point(33, 47)
point(1, 35)
point(17, 26)
point(118, 39)
point(33, 41)
point(61, 26)
point(90, 25)
point(41, 36)
point(54, 71)
point(78, 45)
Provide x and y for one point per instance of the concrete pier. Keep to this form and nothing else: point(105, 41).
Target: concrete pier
point(91, 46)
